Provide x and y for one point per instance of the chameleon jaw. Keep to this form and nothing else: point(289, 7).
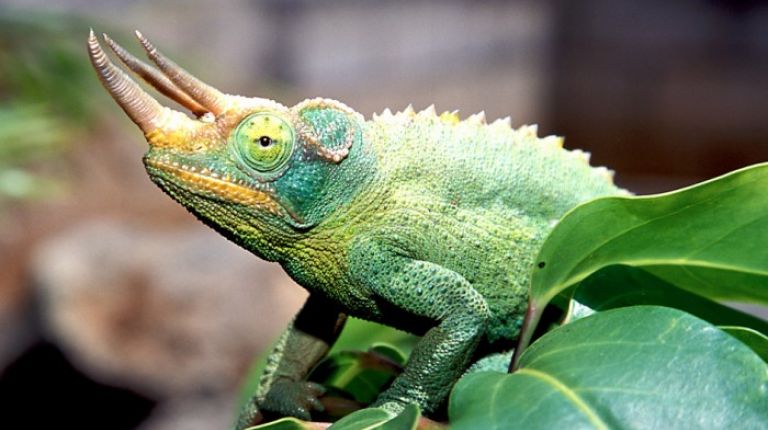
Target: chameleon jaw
point(209, 184)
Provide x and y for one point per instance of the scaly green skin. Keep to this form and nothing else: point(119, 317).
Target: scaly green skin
point(418, 221)
point(428, 225)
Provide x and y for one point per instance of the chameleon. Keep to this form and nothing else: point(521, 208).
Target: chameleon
point(420, 221)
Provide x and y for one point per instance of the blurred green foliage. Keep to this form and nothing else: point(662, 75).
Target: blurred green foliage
point(46, 88)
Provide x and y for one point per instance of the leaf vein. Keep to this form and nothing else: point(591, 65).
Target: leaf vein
point(584, 345)
point(571, 395)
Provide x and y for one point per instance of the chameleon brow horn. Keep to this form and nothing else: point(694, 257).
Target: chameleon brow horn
point(144, 110)
point(212, 99)
point(155, 78)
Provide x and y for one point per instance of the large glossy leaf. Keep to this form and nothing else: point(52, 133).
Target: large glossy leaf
point(290, 424)
point(378, 419)
point(620, 286)
point(642, 367)
point(710, 239)
point(362, 419)
point(753, 339)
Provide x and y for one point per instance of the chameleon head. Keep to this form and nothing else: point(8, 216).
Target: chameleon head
point(241, 162)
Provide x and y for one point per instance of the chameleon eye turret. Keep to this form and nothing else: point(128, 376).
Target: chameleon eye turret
point(263, 144)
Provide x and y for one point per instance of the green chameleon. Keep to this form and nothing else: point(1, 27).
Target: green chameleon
point(419, 221)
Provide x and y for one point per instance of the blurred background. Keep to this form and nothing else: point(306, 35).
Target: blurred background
point(115, 302)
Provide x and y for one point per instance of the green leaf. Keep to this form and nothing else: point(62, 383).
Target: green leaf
point(753, 339)
point(407, 420)
point(379, 419)
point(360, 376)
point(620, 286)
point(717, 227)
point(362, 419)
point(635, 367)
point(709, 239)
point(360, 335)
point(288, 424)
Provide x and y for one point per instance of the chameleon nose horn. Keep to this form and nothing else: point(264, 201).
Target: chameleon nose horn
point(155, 78)
point(144, 110)
point(212, 99)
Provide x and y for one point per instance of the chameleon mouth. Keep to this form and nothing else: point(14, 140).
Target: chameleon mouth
point(210, 184)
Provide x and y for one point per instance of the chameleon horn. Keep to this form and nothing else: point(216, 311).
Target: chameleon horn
point(153, 76)
point(145, 111)
point(212, 99)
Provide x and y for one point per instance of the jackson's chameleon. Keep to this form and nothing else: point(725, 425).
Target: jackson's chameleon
point(423, 222)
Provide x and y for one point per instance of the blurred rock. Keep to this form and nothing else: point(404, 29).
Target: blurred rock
point(170, 314)
point(192, 414)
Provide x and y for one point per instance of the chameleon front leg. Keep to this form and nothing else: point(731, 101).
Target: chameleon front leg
point(424, 290)
point(282, 389)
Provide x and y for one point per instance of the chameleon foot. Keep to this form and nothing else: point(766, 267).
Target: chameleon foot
point(285, 398)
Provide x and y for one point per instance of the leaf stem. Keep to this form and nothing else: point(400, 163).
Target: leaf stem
point(532, 317)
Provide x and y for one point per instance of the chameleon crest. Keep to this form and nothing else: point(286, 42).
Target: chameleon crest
point(420, 221)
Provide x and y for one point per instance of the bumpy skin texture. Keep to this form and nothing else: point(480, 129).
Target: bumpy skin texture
point(429, 224)
point(419, 221)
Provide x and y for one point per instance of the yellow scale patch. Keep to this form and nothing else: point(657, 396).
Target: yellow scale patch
point(222, 188)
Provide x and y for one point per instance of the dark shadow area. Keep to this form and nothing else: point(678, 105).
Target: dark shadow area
point(42, 388)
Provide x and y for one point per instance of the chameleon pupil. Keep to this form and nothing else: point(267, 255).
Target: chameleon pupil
point(265, 141)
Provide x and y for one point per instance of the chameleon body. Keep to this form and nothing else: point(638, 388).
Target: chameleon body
point(420, 221)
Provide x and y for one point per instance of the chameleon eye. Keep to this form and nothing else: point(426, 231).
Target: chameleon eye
point(263, 142)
